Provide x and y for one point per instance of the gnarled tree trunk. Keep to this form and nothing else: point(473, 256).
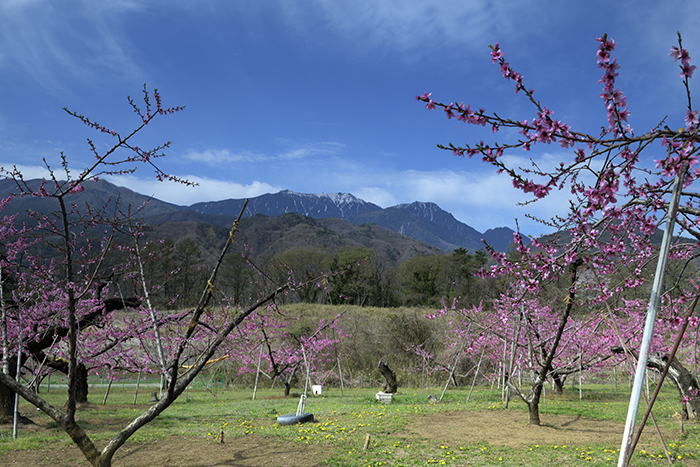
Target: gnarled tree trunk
point(391, 385)
point(685, 382)
point(559, 381)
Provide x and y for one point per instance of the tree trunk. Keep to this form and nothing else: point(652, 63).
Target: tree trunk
point(288, 381)
point(7, 395)
point(81, 392)
point(391, 385)
point(7, 406)
point(685, 382)
point(559, 381)
point(533, 402)
point(533, 410)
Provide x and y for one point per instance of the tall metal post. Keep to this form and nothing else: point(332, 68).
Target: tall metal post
point(654, 301)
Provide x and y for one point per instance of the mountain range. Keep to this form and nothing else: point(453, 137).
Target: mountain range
point(326, 220)
point(423, 221)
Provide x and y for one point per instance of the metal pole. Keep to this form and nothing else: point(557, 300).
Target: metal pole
point(138, 382)
point(257, 373)
point(15, 418)
point(580, 373)
point(654, 299)
point(478, 365)
point(340, 374)
point(454, 366)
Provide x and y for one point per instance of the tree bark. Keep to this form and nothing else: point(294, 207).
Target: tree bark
point(7, 396)
point(391, 385)
point(81, 389)
point(533, 406)
point(558, 382)
point(533, 399)
point(685, 382)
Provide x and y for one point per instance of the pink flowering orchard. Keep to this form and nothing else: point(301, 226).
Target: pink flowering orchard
point(286, 352)
point(601, 247)
point(61, 312)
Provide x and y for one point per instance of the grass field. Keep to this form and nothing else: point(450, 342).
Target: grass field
point(409, 432)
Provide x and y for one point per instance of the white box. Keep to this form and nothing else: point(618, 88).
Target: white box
point(384, 397)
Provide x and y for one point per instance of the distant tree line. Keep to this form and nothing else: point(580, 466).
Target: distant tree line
point(355, 276)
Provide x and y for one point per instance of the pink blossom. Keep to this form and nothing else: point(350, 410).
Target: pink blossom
point(679, 54)
point(687, 70)
point(496, 53)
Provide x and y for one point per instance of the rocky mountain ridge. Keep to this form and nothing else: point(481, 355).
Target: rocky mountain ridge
point(423, 221)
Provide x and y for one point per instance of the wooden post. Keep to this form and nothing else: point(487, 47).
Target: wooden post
point(366, 445)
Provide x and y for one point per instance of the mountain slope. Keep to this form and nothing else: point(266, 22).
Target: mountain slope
point(317, 206)
point(268, 236)
point(416, 226)
point(424, 221)
point(97, 194)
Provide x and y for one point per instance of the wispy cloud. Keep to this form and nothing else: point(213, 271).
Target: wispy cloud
point(290, 151)
point(46, 42)
point(207, 189)
point(407, 27)
point(296, 150)
point(218, 156)
point(480, 198)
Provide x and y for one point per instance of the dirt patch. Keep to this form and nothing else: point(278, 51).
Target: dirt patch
point(510, 428)
point(497, 427)
point(180, 451)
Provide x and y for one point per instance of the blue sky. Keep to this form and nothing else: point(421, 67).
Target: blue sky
point(318, 95)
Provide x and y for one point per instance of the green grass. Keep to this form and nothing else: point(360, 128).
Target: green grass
point(342, 423)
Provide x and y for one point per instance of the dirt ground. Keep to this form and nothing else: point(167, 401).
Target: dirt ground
point(498, 427)
point(181, 451)
point(510, 428)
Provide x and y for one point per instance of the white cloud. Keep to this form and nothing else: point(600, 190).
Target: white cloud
point(481, 199)
point(207, 189)
point(28, 171)
point(408, 27)
point(379, 196)
point(48, 43)
point(292, 150)
point(216, 157)
point(304, 150)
